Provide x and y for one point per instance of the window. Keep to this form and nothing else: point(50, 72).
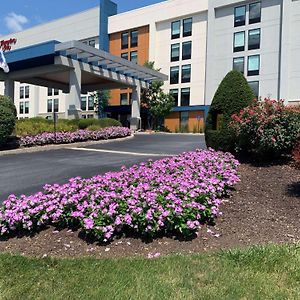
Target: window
point(22, 92)
point(56, 92)
point(49, 106)
point(134, 56)
point(50, 92)
point(56, 105)
point(130, 98)
point(125, 55)
point(187, 27)
point(124, 99)
point(134, 38)
point(184, 119)
point(254, 13)
point(175, 30)
point(174, 75)
point(240, 16)
point(175, 52)
point(27, 92)
point(254, 39)
point(185, 97)
point(124, 40)
point(253, 65)
point(83, 103)
point(21, 107)
point(174, 94)
point(92, 43)
point(239, 64)
point(239, 41)
point(91, 103)
point(26, 110)
point(255, 87)
point(186, 74)
point(186, 50)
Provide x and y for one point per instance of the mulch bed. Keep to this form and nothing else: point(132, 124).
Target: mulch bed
point(264, 209)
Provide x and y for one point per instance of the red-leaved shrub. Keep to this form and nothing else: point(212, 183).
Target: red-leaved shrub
point(266, 128)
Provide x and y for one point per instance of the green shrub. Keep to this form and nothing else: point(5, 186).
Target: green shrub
point(233, 94)
point(108, 122)
point(102, 123)
point(39, 125)
point(8, 116)
point(266, 128)
point(94, 127)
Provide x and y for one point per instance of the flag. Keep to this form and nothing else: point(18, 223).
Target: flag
point(3, 64)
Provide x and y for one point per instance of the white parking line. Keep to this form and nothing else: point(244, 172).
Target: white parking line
point(121, 152)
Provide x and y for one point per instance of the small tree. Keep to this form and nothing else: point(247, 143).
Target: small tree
point(8, 116)
point(233, 94)
point(156, 100)
point(101, 100)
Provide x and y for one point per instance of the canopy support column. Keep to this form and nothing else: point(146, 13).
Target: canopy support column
point(9, 88)
point(73, 99)
point(135, 121)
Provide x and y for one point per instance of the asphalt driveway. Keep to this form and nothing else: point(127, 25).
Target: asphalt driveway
point(27, 173)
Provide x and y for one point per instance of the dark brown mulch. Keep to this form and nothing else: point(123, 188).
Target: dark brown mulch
point(265, 208)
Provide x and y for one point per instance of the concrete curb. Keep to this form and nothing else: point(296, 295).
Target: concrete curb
point(60, 146)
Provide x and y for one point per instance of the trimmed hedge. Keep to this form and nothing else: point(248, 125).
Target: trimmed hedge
point(233, 94)
point(101, 123)
point(35, 126)
point(39, 125)
point(8, 116)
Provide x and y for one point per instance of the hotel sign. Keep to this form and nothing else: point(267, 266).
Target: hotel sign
point(5, 45)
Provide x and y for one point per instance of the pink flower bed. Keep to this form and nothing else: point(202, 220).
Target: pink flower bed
point(47, 138)
point(171, 195)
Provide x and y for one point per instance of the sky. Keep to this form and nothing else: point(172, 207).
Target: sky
point(16, 15)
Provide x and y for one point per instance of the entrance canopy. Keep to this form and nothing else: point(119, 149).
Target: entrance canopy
point(49, 64)
point(76, 68)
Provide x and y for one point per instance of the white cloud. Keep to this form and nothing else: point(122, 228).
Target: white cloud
point(15, 22)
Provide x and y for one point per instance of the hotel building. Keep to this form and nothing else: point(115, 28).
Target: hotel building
point(194, 42)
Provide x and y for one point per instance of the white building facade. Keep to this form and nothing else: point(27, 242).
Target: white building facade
point(196, 42)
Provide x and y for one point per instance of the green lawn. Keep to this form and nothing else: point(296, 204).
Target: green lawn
point(271, 272)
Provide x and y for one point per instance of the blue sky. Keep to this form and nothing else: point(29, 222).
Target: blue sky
point(16, 15)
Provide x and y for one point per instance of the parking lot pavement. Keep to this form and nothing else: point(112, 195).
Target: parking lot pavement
point(27, 173)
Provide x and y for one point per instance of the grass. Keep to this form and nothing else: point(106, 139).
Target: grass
point(271, 272)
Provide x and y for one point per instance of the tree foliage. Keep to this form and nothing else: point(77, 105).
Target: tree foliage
point(101, 100)
point(8, 116)
point(156, 100)
point(232, 95)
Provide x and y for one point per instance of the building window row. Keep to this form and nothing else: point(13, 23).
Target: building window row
point(254, 14)
point(185, 74)
point(24, 92)
point(52, 105)
point(186, 51)
point(24, 107)
point(187, 28)
point(185, 95)
point(87, 103)
point(133, 56)
point(53, 92)
point(133, 39)
point(239, 40)
point(91, 43)
point(253, 66)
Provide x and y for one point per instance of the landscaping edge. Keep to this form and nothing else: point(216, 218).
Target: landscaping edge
point(59, 146)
